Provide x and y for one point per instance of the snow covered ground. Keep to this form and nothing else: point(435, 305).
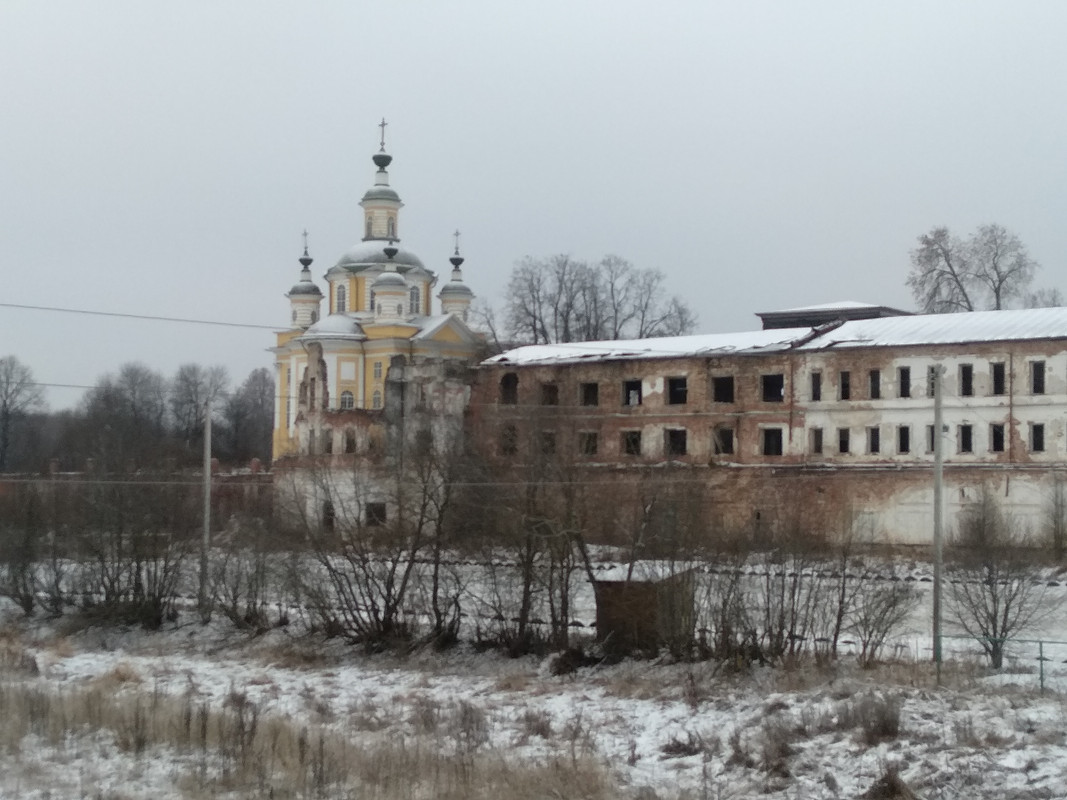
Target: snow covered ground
point(655, 729)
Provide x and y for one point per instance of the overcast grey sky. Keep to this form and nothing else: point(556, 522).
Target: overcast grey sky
point(163, 158)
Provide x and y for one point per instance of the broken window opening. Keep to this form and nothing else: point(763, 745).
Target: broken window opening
point(509, 389)
point(631, 393)
point(773, 388)
point(549, 394)
point(723, 441)
point(772, 441)
point(998, 377)
point(722, 389)
point(966, 380)
point(996, 438)
point(674, 442)
point(631, 443)
point(677, 391)
point(590, 394)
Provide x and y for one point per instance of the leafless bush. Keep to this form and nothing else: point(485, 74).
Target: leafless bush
point(878, 609)
point(536, 723)
point(879, 717)
point(993, 595)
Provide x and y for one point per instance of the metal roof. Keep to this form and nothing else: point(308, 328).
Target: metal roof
point(914, 330)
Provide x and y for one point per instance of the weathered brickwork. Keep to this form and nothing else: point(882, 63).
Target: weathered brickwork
point(814, 433)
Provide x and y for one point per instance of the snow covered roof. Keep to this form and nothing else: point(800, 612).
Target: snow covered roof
point(911, 330)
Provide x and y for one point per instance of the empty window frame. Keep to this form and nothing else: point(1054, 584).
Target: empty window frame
point(1037, 377)
point(677, 391)
point(844, 385)
point(329, 515)
point(587, 443)
point(376, 514)
point(903, 381)
point(675, 441)
point(965, 438)
point(631, 443)
point(996, 437)
point(1037, 437)
point(548, 443)
point(773, 388)
point(874, 440)
point(631, 393)
point(350, 441)
point(966, 380)
point(509, 389)
point(816, 387)
point(844, 444)
point(815, 441)
point(549, 394)
point(509, 440)
point(903, 439)
point(998, 372)
point(874, 383)
point(772, 441)
point(722, 389)
point(590, 394)
point(723, 441)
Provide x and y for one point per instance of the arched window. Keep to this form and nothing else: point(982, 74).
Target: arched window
point(399, 309)
point(372, 300)
point(392, 227)
point(376, 399)
point(414, 300)
point(314, 315)
point(369, 227)
point(347, 400)
point(294, 315)
point(342, 300)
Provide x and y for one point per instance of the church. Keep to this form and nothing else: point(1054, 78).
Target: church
point(378, 355)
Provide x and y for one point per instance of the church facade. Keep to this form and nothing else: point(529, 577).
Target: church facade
point(366, 353)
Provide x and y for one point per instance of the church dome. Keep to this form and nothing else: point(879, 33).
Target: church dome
point(336, 326)
point(369, 254)
point(305, 287)
point(455, 289)
point(381, 193)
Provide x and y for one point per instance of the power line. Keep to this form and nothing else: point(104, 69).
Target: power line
point(152, 317)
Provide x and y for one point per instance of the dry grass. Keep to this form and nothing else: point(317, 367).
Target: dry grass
point(237, 749)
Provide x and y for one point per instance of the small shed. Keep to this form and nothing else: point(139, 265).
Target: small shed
point(646, 605)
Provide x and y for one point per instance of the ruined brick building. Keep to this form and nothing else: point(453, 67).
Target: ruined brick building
point(378, 369)
point(833, 413)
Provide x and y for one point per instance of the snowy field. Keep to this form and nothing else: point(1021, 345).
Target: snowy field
point(121, 713)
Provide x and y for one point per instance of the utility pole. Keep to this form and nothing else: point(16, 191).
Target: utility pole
point(938, 372)
point(205, 544)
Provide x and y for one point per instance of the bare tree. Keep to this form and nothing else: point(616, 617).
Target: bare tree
point(559, 299)
point(993, 595)
point(249, 417)
point(1001, 264)
point(192, 386)
point(19, 395)
point(989, 270)
point(940, 277)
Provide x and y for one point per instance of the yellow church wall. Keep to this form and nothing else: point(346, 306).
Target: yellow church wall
point(390, 331)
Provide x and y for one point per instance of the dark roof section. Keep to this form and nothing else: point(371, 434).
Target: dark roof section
point(814, 316)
